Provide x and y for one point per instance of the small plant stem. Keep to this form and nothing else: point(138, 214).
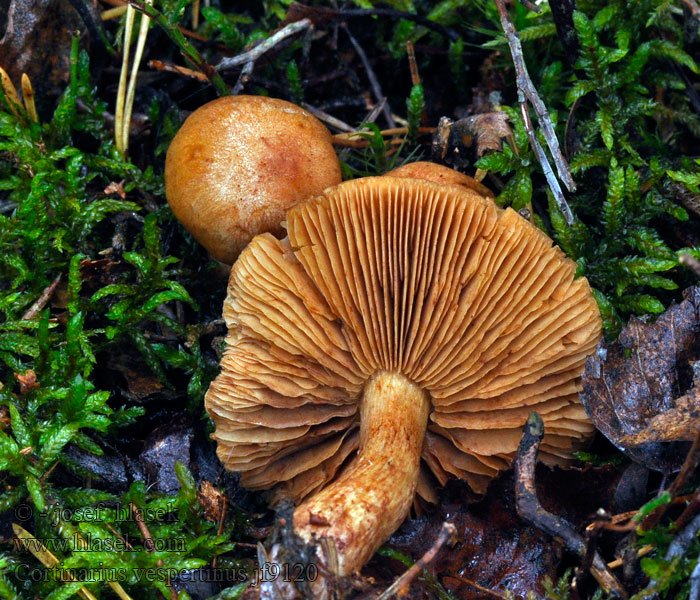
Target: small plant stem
point(114, 13)
point(643, 551)
point(195, 15)
point(222, 522)
point(373, 81)
point(159, 65)
point(476, 586)
point(42, 300)
point(353, 137)
point(148, 542)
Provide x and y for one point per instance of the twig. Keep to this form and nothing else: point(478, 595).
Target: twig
point(527, 92)
point(531, 6)
point(691, 262)
point(328, 119)
point(693, 7)
point(373, 81)
point(562, 14)
point(691, 508)
point(171, 68)
point(678, 547)
point(530, 509)
point(590, 540)
point(401, 585)
point(42, 300)
point(148, 542)
point(114, 13)
point(643, 551)
point(220, 530)
point(339, 138)
point(691, 461)
point(266, 45)
point(476, 586)
point(694, 581)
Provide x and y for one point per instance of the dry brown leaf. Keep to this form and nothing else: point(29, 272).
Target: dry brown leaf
point(642, 390)
point(212, 501)
point(490, 129)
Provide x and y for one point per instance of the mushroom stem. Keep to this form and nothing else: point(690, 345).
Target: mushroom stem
point(368, 502)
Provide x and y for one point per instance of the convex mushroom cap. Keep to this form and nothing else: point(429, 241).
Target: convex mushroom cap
point(239, 162)
point(440, 174)
point(417, 323)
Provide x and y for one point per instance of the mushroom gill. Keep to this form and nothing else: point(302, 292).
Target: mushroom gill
point(416, 322)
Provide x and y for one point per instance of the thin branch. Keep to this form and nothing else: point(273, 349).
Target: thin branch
point(266, 45)
point(527, 92)
point(694, 581)
point(401, 585)
point(476, 586)
point(562, 14)
point(328, 119)
point(693, 7)
point(159, 65)
point(373, 81)
point(530, 509)
point(42, 300)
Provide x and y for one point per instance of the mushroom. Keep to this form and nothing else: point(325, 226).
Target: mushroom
point(440, 174)
point(398, 337)
point(239, 162)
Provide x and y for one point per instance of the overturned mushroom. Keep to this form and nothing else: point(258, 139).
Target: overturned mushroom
point(239, 162)
point(400, 336)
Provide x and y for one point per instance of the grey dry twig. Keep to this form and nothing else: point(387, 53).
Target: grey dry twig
point(528, 93)
point(530, 509)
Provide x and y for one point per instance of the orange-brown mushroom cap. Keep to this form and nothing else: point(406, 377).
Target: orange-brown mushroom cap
point(440, 174)
point(239, 163)
point(470, 303)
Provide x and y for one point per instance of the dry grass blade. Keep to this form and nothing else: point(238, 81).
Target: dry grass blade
point(28, 94)
point(44, 556)
point(121, 91)
point(125, 96)
point(11, 94)
point(129, 104)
